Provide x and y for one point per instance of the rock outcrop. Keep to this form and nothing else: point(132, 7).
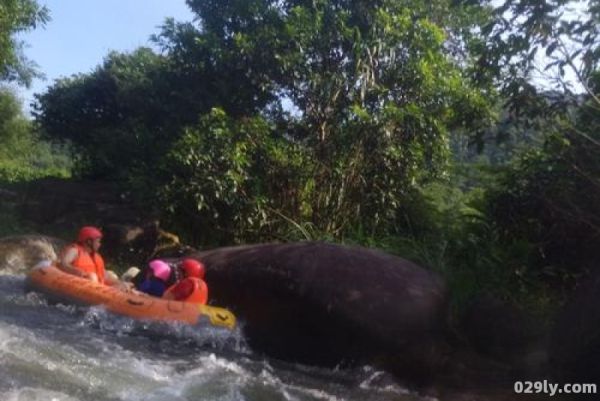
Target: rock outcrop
point(326, 304)
point(575, 345)
point(501, 330)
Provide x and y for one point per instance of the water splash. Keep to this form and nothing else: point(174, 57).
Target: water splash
point(74, 353)
point(19, 253)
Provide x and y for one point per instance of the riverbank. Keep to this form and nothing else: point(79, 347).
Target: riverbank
point(492, 342)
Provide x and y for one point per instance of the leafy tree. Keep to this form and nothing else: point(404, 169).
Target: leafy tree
point(227, 175)
point(23, 155)
point(18, 16)
point(372, 86)
point(207, 70)
point(559, 35)
point(117, 117)
point(368, 91)
point(549, 197)
point(124, 116)
point(546, 196)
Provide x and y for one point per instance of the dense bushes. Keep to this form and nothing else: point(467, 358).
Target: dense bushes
point(356, 121)
point(227, 179)
point(23, 154)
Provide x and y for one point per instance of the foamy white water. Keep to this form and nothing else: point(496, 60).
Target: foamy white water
point(66, 353)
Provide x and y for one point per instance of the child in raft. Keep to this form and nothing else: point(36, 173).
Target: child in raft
point(155, 281)
point(185, 281)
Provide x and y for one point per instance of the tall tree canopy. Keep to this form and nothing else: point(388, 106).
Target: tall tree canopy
point(529, 39)
point(288, 119)
point(117, 116)
point(369, 90)
point(546, 198)
point(330, 112)
point(18, 16)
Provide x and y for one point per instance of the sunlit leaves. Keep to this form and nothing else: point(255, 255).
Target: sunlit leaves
point(23, 155)
point(373, 89)
point(18, 16)
point(220, 170)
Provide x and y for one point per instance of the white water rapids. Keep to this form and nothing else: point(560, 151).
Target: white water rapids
point(66, 353)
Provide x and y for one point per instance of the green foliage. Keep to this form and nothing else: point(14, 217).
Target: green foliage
point(222, 173)
point(550, 198)
point(125, 115)
point(359, 121)
point(374, 89)
point(18, 16)
point(23, 155)
point(452, 232)
point(556, 37)
point(116, 117)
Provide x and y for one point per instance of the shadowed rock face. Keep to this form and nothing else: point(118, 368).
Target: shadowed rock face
point(326, 304)
point(575, 341)
point(135, 244)
point(499, 329)
point(19, 253)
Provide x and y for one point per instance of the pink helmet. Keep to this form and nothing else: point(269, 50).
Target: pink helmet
point(160, 269)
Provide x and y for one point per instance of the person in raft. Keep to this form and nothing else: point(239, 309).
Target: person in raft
point(155, 282)
point(82, 259)
point(192, 288)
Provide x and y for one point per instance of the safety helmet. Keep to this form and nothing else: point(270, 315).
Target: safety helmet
point(193, 268)
point(88, 232)
point(160, 269)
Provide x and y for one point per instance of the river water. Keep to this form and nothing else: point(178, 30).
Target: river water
point(66, 353)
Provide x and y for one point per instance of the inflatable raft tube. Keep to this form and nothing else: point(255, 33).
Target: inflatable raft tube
point(59, 285)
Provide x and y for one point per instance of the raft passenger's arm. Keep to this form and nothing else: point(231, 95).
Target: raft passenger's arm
point(65, 264)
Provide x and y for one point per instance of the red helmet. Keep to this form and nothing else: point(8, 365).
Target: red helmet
point(88, 232)
point(193, 268)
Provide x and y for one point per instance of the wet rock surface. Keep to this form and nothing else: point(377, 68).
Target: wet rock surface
point(327, 304)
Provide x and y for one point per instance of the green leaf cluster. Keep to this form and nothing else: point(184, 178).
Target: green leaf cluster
point(409, 125)
point(17, 16)
point(221, 175)
point(23, 154)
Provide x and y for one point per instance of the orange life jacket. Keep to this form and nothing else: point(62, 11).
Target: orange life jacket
point(198, 296)
point(89, 263)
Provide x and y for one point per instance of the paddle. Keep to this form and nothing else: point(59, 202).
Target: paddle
point(218, 316)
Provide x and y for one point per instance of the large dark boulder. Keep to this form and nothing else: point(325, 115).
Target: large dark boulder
point(327, 304)
point(575, 346)
point(500, 329)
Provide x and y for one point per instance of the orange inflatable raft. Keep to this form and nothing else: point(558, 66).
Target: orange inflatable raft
point(59, 285)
